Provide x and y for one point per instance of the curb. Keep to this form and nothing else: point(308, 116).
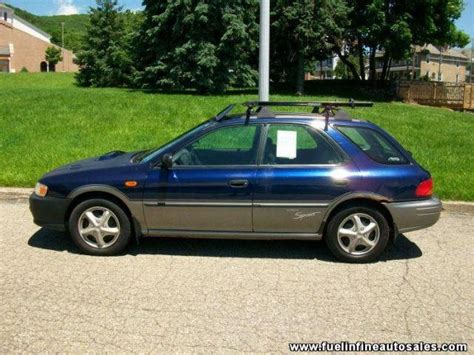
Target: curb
point(458, 207)
point(16, 194)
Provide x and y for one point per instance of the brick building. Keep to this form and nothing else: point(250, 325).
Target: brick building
point(23, 45)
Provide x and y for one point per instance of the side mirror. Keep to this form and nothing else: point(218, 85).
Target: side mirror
point(167, 161)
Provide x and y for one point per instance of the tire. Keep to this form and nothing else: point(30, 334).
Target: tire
point(357, 240)
point(100, 227)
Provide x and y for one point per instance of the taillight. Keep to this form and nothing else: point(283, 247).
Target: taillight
point(425, 188)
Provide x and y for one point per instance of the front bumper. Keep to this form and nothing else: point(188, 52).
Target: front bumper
point(49, 212)
point(413, 215)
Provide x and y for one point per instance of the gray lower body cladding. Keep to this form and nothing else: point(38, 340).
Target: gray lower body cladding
point(233, 235)
point(270, 220)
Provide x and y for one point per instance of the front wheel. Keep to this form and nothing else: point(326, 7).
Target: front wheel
point(100, 227)
point(357, 234)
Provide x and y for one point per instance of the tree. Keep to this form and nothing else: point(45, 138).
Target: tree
point(207, 45)
point(393, 27)
point(106, 57)
point(299, 35)
point(53, 56)
point(342, 72)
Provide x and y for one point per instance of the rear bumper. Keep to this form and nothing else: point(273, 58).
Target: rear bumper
point(49, 212)
point(413, 215)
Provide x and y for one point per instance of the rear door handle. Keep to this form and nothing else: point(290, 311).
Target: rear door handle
point(238, 183)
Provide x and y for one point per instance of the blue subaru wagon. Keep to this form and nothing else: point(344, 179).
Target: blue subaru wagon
point(258, 175)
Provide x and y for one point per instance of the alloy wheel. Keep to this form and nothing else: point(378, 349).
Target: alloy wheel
point(99, 227)
point(358, 234)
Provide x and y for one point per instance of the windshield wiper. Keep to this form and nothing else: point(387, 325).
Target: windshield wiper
point(138, 156)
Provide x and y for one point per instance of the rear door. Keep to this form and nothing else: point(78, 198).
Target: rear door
point(301, 172)
point(210, 186)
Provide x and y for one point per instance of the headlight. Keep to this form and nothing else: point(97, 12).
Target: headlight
point(41, 190)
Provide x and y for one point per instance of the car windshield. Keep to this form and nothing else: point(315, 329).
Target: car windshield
point(148, 155)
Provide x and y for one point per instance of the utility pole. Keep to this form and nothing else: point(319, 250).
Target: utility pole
point(264, 55)
point(471, 64)
point(62, 45)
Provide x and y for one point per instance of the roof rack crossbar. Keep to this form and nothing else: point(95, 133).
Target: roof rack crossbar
point(314, 104)
point(280, 103)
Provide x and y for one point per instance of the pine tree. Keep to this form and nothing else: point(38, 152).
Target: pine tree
point(207, 45)
point(105, 60)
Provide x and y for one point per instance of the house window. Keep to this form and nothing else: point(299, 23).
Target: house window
point(433, 75)
point(5, 16)
point(427, 58)
point(440, 76)
point(457, 78)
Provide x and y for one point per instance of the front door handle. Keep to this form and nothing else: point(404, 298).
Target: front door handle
point(342, 181)
point(238, 183)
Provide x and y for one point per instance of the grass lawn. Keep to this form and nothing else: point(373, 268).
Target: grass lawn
point(47, 121)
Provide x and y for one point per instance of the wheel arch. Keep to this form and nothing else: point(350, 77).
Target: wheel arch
point(108, 193)
point(360, 199)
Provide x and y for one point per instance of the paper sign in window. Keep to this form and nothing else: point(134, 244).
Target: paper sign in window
point(286, 144)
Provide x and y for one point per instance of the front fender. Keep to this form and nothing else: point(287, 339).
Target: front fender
point(135, 206)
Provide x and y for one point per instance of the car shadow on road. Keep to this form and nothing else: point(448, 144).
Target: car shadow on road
point(272, 249)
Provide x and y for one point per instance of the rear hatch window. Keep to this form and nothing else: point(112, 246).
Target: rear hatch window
point(374, 144)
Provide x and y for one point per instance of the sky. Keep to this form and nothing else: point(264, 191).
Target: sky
point(64, 7)
point(68, 7)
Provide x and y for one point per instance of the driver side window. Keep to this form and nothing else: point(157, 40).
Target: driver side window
point(232, 145)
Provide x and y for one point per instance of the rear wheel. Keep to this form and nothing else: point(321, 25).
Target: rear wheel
point(357, 234)
point(100, 227)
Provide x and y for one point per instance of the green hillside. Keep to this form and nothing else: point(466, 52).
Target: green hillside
point(74, 27)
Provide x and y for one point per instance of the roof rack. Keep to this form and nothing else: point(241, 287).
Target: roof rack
point(224, 112)
point(328, 108)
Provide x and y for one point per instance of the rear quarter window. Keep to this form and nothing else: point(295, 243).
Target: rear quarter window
point(374, 144)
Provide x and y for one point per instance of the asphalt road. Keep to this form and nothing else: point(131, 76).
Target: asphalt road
point(170, 295)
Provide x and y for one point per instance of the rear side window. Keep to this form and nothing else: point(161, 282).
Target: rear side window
point(374, 145)
point(289, 144)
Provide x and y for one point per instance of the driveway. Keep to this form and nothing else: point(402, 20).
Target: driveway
point(169, 295)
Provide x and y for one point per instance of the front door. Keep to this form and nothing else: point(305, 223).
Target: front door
point(210, 186)
point(300, 174)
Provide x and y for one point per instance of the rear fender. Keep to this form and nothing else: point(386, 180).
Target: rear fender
point(369, 196)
